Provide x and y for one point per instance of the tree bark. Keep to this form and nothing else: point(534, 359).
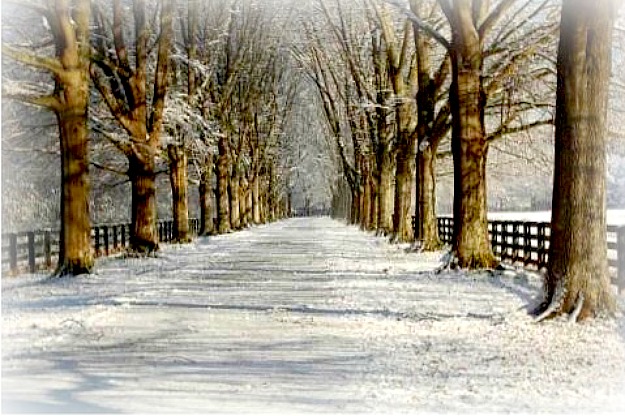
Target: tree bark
point(223, 179)
point(207, 226)
point(355, 211)
point(577, 280)
point(179, 189)
point(385, 192)
point(243, 199)
point(367, 198)
point(427, 223)
point(75, 256)
point(235, 202)
point(256, 208)
point(404, 184)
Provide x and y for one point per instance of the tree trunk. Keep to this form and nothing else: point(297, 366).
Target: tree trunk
point(179, 190)
point(289, 205)
point(256, 199)
point(471, 244)
point(426, 222)
point(355, 211)
point(375, 204)
point(223, 178)
point(243, 191)
point(249, 219)
point(385, 192)
point(207, 226)
point(577, 279)
point(263, 199)
point(404, 184)
point(143, 235)
point(367, 201)
point(75, 256)
point(235, 205)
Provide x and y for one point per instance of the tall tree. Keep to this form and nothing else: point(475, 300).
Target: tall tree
point(470, 244)
point(577, 280)
point(69, 22)
point(124, 88)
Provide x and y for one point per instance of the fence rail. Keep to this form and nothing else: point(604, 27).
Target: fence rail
point(31, 251)
point(526, 244)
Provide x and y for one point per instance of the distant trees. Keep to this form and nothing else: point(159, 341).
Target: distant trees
point(577, 281)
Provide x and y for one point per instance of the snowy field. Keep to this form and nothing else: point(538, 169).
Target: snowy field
point(305, 315)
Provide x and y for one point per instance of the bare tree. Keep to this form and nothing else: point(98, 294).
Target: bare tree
point(69, 23)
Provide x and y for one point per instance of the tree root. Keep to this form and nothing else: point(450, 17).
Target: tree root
point(579, 304)
point(449, 262)
point(557, 301)
point(73, 268)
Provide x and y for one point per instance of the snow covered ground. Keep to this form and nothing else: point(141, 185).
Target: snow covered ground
point(305, 315)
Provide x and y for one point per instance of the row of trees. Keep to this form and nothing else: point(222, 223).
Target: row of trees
point(206, 91)
point(471, 72)
point(203, 88)
point(388, 84)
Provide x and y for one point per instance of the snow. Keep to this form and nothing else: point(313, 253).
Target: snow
point(304, 315)
point(614, 216)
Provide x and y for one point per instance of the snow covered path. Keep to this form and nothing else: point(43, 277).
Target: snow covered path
point(305, 315)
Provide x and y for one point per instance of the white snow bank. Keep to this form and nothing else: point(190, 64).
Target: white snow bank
point(306, 315)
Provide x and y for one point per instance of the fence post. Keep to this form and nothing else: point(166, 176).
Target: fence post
point(115, 237)
point(527, 244)
point(31, 252)
point(105, 229)
point(97, 241)
point(47, 248)
point(13, 252)
point(542, 245)
point(620, 256)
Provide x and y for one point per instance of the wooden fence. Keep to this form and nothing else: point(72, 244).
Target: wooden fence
point(526, 244)
point(31, 251)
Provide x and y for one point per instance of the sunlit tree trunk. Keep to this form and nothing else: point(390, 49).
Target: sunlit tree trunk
point(72, 89)
point(577, 280)
point(143, 235)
